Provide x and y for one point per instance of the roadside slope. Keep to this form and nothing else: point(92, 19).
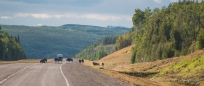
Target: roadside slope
point(118, 58)
point(188, 68)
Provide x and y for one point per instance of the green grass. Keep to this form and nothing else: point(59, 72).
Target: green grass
point(91, 52)
point(186, 68)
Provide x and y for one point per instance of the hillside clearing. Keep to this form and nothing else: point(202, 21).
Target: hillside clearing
point(161, 72)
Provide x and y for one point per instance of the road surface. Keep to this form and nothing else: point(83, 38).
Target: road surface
point(54, 74)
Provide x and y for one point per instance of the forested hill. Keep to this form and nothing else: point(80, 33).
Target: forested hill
point(99, 49)
point(10, 48)
point(171, 31)
point(167, 32)
point(69, 39)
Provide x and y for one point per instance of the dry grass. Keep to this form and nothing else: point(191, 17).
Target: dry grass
point(119, 61)
point(126, 78)
point(119, 58)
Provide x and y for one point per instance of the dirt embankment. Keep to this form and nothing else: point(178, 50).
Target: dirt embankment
point(118, 66)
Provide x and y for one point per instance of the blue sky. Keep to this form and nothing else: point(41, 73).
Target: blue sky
point(86, 12)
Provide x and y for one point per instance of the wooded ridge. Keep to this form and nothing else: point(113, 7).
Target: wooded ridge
point(68, 39)
point(171, 31)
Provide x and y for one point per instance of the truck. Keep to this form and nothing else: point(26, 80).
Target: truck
point(60, 56)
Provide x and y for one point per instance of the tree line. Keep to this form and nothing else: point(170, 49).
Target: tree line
point(99, 49)
point(175, 30)
point(10, 48)
point(69, 39)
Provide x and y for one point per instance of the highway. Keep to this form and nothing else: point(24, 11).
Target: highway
point(54, 74)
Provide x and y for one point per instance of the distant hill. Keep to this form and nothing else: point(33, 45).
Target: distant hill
point(99, 49)
point(68, 39)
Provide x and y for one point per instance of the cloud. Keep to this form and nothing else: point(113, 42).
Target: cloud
point(99, 12)
point(66, 15)
point(101, 17)
point(158, 1)
point(41, 16)
point(81, 3)
point(39, 25)
point(35, 15)
point(5, 17)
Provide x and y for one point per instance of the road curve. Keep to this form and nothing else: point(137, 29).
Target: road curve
point(54, 74)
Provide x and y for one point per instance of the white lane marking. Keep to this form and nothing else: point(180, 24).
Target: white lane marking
point(64, 75)
point(21, 70)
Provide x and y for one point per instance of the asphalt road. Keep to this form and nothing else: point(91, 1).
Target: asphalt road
point(54, 74)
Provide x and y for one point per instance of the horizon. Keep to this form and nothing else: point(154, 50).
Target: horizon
point(68, 24)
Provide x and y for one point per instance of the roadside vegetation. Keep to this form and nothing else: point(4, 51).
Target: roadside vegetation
point(10, 48)
point(187, 68)
point(175, 30)
point(99, 49)
point(176, 71)
point(164, 47)
point(163, 33)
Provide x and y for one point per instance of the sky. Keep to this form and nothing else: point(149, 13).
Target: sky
point(86, 12)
